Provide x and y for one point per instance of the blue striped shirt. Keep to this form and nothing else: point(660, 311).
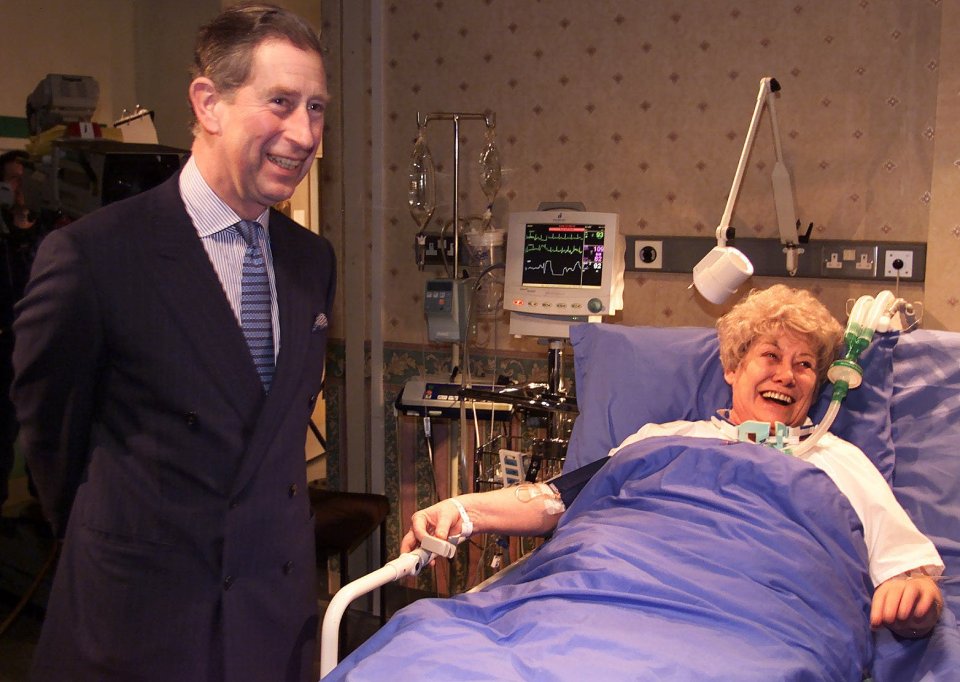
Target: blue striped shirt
point(225, 248)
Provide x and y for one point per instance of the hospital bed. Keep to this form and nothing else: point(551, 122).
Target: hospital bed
point(695, 560)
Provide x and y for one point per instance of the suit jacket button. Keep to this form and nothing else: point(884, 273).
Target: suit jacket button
point(287, 567)
point(292, 490)
point(190, 418)
point(228, 582)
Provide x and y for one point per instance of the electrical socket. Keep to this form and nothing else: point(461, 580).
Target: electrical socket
point(432, 247)
point(850, 261)
point(648, 254)
point(905, 272)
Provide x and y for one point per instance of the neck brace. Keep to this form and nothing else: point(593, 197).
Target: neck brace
point(783, 437)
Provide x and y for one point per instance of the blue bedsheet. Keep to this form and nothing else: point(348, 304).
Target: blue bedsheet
point(925, 415)
point(681, 559)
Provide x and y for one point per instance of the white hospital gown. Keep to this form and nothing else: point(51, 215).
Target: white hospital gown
point(894, 545)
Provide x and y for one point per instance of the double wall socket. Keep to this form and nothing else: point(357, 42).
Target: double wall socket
point(854, 261)
point(437, 250)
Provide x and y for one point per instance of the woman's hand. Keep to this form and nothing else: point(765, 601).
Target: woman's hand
point(523, 510)
point(909, 606)
point(440, 521)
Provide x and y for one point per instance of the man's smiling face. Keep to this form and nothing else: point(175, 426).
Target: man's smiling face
point(270, 128)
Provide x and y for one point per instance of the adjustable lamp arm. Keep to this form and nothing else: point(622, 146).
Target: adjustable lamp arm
point(783, 192)
point(767, 87)
point(782, 186)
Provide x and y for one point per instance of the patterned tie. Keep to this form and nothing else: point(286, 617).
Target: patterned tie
point(255, 315)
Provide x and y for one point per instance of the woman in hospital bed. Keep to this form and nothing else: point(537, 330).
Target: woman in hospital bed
point(775, 348)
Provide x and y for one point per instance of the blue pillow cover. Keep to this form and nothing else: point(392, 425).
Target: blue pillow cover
point(630, 376)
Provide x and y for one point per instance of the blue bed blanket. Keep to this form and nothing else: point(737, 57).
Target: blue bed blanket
point(681, 559)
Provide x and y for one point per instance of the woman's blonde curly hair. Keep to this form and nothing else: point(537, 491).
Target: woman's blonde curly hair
point(771, 312)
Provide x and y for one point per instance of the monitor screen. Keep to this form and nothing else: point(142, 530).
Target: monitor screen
point(563, 264)
point(569, 255)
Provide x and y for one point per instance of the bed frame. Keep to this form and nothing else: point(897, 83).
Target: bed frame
point(906, 417)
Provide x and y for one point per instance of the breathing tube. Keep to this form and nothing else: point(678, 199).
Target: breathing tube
point(867, 314)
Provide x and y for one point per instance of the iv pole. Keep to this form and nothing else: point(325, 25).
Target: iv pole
point(459, 469)
point(456, 117)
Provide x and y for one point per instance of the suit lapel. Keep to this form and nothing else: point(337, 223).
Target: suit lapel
point(295, 329)
point(185, 278)
point(295, 320)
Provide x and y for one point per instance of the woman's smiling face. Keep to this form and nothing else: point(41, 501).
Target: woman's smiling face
point(775, 381)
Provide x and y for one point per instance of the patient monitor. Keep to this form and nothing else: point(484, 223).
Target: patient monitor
point(563, 267)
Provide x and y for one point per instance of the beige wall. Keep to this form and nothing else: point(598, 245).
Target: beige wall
point(634, 107)
point(92, 38)
point(139, 51)
point(641, 108)
point(163, 52)
point(943, 237)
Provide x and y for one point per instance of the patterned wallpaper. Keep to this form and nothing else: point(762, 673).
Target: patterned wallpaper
point(641, 108)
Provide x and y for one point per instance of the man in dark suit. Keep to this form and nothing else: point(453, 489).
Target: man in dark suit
point(166, 442)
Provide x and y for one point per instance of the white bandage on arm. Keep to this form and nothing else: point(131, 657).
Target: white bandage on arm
point(466, 525)
point(552, 504)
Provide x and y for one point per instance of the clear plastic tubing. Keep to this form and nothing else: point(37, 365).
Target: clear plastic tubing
point(846, 372)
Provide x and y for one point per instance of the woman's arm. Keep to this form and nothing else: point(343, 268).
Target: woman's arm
point(525, 510)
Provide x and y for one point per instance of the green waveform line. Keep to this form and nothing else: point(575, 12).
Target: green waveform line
point(569, 250)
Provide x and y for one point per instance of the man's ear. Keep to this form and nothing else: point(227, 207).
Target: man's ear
point(204, 98)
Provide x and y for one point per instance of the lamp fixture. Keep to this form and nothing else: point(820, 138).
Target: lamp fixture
point(725, 268)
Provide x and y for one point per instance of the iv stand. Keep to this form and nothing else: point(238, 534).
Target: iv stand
point(459, 475)
point(490, 121)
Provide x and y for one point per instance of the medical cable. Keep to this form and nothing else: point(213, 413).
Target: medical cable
point(846, 373)
point(471, 312)
point(442, 244)
point(428, 435)
point(476, 425)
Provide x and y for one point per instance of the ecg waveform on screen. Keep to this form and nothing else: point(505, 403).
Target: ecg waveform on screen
point(563, 255)
point(571, 250)
point(548, 268)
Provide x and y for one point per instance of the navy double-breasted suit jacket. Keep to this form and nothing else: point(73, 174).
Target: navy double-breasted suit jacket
point(188, 554)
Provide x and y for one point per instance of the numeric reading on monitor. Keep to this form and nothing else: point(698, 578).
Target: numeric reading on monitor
point(563, 255)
